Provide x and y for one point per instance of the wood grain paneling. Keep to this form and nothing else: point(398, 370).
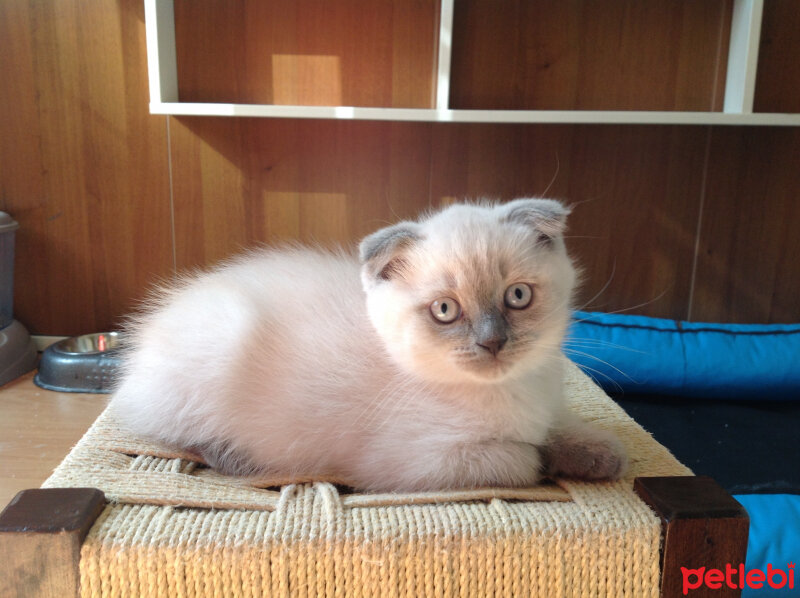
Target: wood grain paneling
point(589, 55)
point(634, 190)
point(311, 52)
point(778, 81)
point(641, 187)
point(84, 165)
point(239, 182)
point(748, 268)
point(243, 181)
point(86, 170)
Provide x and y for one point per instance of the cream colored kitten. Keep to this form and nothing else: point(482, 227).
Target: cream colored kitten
point(431, 361)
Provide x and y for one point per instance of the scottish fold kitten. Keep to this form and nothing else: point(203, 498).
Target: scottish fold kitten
point(430, 361)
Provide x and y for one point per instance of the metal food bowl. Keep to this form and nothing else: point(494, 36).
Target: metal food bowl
point(87, 363)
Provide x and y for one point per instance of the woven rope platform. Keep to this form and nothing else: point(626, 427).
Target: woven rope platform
point(176, 528)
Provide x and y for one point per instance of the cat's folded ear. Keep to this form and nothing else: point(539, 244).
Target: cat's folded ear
point(548, 217)
point(381, 253)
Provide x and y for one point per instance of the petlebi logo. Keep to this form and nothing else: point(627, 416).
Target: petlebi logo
point(737, 577)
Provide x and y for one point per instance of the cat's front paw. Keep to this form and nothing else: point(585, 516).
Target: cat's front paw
point(596, 457)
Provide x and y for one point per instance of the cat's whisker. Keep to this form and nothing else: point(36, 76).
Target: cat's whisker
point(603, 289)
point(555, 176)
point(567, 350)
point(640, 305)
point(575, 204)
point(593, 373)
point(391, 402)
point(411, 391)
point(390, 391)
point(604, 362)
point(397, 408)
point(598, 343)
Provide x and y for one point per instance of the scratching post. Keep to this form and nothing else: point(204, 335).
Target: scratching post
point(173, 527)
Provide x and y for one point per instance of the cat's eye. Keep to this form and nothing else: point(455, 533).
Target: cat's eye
point(519, 295)
point(445, 310)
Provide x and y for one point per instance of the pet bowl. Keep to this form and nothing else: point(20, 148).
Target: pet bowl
point(87, 363)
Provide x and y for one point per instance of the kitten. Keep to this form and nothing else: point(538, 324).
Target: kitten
point(432, 361)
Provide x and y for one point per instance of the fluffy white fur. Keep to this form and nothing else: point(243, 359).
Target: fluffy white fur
point(307, 362)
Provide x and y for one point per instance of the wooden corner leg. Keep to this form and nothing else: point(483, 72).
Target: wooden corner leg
point(704, 536)
point(41, 532)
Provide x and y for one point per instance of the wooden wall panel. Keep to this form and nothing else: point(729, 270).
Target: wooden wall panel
point(311, 52)
point(84, 165)
point(641, 187)
point(239, 182)
point(748, 268)
point(635, 194)
point(610, 55)
point(86, 170)
point(778, 82)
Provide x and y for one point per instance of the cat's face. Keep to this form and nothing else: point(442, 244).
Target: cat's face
point(473, 293)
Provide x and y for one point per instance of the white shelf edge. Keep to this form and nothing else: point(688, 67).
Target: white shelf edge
point(162, 61)
point(475, 116)
point(445, 54)
point(740, 81)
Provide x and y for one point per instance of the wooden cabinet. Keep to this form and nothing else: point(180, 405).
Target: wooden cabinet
point(517, 61)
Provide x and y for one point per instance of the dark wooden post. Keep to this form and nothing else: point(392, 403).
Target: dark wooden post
point(704, 536)
point(41, 532)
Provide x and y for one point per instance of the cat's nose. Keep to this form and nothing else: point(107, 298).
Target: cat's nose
point(493, 345)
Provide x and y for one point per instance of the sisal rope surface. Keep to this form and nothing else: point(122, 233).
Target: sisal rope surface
point(175, 528)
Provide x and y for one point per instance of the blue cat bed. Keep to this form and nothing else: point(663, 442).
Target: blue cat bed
point(774, 538)
point(656, 356)
point(671, 376)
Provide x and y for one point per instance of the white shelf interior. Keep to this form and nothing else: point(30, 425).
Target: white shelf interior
point(738, 101)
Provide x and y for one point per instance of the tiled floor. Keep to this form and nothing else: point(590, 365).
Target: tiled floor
point(37, 429)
